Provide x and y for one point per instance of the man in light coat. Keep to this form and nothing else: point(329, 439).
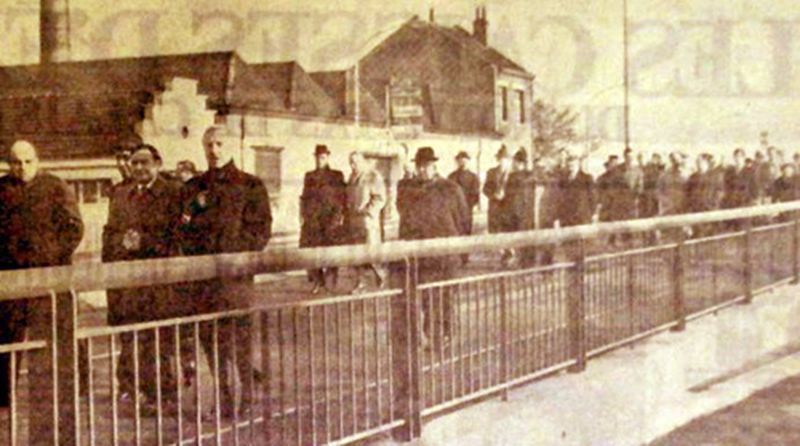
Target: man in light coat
point(366, 197)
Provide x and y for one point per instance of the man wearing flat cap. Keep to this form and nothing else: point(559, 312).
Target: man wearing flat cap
point(322, 207)
point(470, 185)
point(433, 207)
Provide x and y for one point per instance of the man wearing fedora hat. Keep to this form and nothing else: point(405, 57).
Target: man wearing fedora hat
point(322, 207)
point(470, 185)
point(433, 207)
point(500, 215)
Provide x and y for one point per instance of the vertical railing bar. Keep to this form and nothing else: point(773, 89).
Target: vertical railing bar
point(503, 328)
point(282, 376)
point(296, 370)
point(388, 337)
point(90, 390)
point(340, 372)
point(266, 367)
point(326, 369)
point(796, 249)
point(364, 367)
point(377, 341)
point(198, 416)
point(12, 410)
point(462, 361)
point(311, 359)
point(470, 339)
point(351, 335)
point(436, 299)
point(159, 420)
point(216, 381)
point(178, 381)
point(427, 327)
point(113, 382)
point(748, 261)
point(234, 361)
point(136, 403)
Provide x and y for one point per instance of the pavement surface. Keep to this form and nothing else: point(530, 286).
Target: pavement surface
point(638, 395)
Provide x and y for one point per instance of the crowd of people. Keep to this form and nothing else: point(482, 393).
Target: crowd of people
point(155, 214)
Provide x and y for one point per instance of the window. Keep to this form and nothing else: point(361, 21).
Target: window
point(268, 168)
point(521, 101)
point(504, 102)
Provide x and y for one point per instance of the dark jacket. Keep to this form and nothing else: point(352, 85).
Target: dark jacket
point(224, 210)
point(432, 209)
point(40, 224)
point(607, 185)
point(153, 213)
point(784, 190)
point(627, 192)
point(470, 185)
point(701, 192)
point(500, 211)
point(521, 191)
point(322, 206)
point(648, 205)
point(577, 201)
point(740, 188)
point(671, 193)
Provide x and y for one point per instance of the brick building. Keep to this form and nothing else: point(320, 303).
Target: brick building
point(425, 84)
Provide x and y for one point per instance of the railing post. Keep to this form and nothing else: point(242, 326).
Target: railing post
point(679, 299)
point(504, 337)
point(748, 261)
point(405, 335)
point(53, 371)
point(576, 302)
point(796, 251)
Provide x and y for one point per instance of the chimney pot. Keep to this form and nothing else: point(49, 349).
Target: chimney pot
point(54, 31)
point(480, 26)
point(431, 17)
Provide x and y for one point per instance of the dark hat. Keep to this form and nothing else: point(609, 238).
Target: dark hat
point(321, 149)
point(462, 154)
point(611, 159)
point(521, 156)
point(425, 155)
point(502, 153)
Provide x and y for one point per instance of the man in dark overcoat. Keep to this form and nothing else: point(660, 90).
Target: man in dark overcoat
point(225, 210)
point(433, 207)
point(521, 196)
point(40, 226)
point(322, 206)
point(577, 200)
point(701, 194)
point(470, 185)
point(500, 213)
point(141, 219)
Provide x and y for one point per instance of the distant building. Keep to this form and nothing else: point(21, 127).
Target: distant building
point(425, 84)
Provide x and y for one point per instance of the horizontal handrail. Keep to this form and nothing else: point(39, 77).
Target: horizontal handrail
point(99, 276)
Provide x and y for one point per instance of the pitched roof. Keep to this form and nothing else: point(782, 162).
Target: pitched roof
point(78, 109)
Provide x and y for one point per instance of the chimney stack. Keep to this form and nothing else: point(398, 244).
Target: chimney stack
point(431, 17)
point(480, 26)
point(54, 31)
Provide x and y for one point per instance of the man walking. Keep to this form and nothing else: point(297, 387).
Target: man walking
point(470, 186)
point(500, 215)
point(433, 207)
point(322, 207)
point(225, 210)
point(366, 197)
point(140, 226)
point(40, 226)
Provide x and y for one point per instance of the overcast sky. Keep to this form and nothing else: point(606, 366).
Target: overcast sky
point(704, 73)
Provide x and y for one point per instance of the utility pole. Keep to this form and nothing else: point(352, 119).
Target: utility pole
point(626, 75)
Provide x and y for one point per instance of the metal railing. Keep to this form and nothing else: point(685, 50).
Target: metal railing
point(340, 369)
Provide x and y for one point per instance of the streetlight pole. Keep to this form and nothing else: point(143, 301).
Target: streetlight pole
point(626, 75)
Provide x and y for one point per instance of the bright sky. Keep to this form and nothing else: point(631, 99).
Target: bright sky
point(706, 74)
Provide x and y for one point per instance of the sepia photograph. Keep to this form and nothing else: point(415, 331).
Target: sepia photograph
point(425, 223)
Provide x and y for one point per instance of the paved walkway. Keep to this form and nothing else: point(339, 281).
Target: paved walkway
point(636, 395)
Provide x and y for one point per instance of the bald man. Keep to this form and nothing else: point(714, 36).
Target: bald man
point(40, 226)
